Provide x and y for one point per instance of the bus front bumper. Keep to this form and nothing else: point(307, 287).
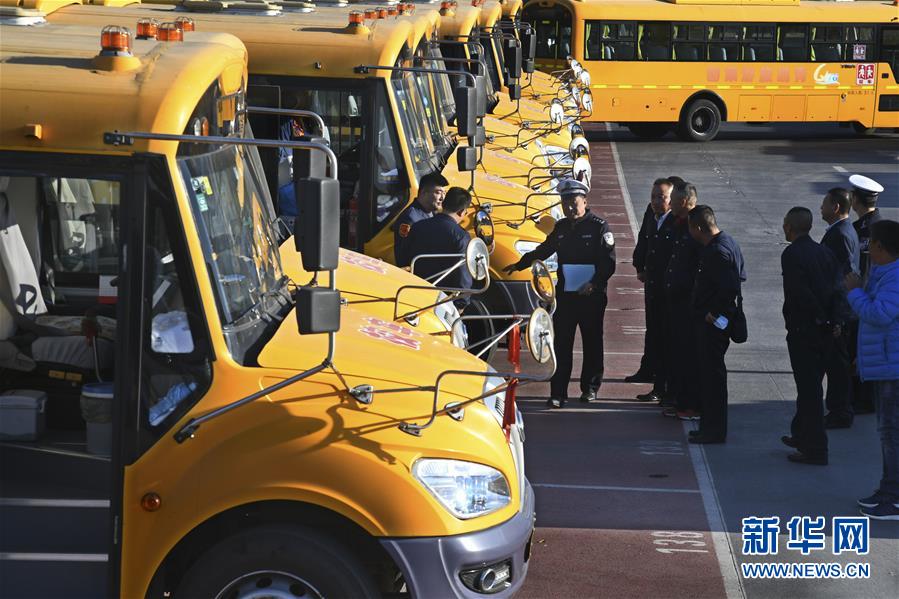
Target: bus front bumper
point(433, 567)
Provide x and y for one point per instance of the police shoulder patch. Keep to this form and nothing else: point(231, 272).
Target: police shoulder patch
point(404, 229)
point(608, 238)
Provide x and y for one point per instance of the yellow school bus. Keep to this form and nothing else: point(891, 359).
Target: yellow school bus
point(241, 434)
point(689, 65)
point(369, 112)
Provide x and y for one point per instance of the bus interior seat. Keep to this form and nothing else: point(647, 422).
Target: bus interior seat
point(717, 53)
point(655, 52)
point(687, 53)
point(827, 52)
point(791, 53)
point(608, 52)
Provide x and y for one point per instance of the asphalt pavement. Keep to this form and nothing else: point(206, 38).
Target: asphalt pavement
point(626, 507)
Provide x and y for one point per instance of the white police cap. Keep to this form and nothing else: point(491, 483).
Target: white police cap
point(866, 184)
point(570, 187)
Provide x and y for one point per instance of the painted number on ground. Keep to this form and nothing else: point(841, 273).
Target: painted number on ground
point(651, 447)
point(678, 541)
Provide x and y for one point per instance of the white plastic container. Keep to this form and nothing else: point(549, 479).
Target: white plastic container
point(96, 407)
point(22, 414)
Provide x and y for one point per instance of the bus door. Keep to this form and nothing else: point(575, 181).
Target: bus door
point(65, 331)
point(887, 109)
point(553, 28)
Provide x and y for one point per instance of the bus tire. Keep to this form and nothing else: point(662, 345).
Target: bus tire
point(649, 130)
point(861, 129)
point(480, 329)
point(701, 121)
point(289, 560)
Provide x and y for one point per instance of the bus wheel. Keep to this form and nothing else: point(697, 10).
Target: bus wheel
point(649, 130)
point(479, 330)
point(700, 122)
point(861, 129)
point(281, 562)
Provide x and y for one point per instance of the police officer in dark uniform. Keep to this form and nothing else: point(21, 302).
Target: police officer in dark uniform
point(814, 302)
point(431, 191)
point(442, 234)
point(683, 383)
point(586, 254)
point(841, 239)
point(718, 284)
point(864, 203)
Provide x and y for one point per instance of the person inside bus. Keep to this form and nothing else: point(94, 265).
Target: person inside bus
point(443, 234)
point(431, 191)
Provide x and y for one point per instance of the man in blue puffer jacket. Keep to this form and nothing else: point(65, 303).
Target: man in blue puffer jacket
point(877, 307)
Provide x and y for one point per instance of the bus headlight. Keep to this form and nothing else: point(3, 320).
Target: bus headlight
point(448, 313)
point(465, 489)
point(523, 247)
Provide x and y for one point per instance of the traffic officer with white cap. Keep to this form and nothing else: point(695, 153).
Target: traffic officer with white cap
point(864, 203)
point(586, 255)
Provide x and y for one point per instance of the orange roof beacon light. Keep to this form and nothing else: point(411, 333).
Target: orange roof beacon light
point(185, 24)
point(410, 8)
point(392, 11)
point(371, 13)
point(115, 41)
point(147, 29)
point(169, 32)
point(382, 12)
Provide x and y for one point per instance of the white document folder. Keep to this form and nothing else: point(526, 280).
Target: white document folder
point(576, 275)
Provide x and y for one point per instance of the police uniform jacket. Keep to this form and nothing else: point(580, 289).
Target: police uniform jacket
point(588, 241)
point(440, 235)
point(863, 229)
point(842, 240)
point(647, 227)
point(719, 277)
point(813, 290)
point(402, 227)
point(681, 272)
point(659, 247)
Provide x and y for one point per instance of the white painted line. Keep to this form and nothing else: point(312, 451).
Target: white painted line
point(840, 169)
point(54, 557)
point(613, 488)
point(32, 502)
point(727, 562)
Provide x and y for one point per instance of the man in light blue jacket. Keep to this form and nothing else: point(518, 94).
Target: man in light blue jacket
point(877, 307)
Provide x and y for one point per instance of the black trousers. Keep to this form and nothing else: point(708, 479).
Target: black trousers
point(808, 353)
point(657, 338)
point(646, 359)
point(586, 312)
point(862, 391)
point(682, 379)
point(712, 373)
point(839, 380)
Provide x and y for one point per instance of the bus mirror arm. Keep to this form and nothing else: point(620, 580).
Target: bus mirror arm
point(288, 112)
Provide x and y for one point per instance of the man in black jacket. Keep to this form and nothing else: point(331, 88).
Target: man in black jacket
point(813, 305)
point(841, 239)
point(714, 303)
point(431, 191)
point(586, 252)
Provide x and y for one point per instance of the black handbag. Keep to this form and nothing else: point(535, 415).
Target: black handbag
point(739, 333)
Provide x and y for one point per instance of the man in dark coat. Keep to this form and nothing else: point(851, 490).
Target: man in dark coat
point(431, 191)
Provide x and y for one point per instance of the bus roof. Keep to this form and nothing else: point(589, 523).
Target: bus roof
point(49, 79)
point(491, 12)
point(823, 11)
point(323, 45)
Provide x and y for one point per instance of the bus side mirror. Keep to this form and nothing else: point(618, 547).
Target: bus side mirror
point(480, 136)
point(480, 85)
point(317, 226)
point(310, 163)
point(467, 158)
point(466, 110)
point(318, 310)
point(512, 58)
point(529, 50)
point(483, 227)
point(514, 91)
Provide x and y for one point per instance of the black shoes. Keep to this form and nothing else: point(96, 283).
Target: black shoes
point(639, 377)
point(588, 396)
point(873, 500)
point(789, 441)
point(797, 457)
point(555, 403)
point(651, 396)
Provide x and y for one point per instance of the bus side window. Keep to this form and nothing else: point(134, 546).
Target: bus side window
point(592, 47)
point(859, 43)
point(792, 43)
point(654, 41)
point(759, 46)
point(689, 42)
point(617, 40)
point(826, 43)
point(175, 368)
point(724, 42)
point(889, 48)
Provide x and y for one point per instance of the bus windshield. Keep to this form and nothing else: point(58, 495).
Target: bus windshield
point(442, 86)
point(439, 108)
point(235, 221)
point(416, 127)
